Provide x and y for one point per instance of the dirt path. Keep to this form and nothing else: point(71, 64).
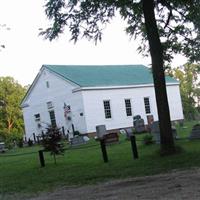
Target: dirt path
point(176, 185)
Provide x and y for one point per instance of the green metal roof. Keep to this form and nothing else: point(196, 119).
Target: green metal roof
point(106, 75)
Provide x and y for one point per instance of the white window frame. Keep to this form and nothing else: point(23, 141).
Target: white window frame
point(47, 84)
point(149, 105)
point(105, 110)
point(126, 108)
point(37, 118)
point(52, 119)
point(50, 105)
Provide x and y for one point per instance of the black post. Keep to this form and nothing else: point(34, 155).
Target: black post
point(38, 141)
point(103, 149)
point(41, 157)
point(73, 129)
point(134, 147)
point(42, 135)
point(63, 130)
point(34, 137)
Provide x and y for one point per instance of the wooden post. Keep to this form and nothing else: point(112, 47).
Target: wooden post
point(41, 157)
point(134, 147)
point(103, 149)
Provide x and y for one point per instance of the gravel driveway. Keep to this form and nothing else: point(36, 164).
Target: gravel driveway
point(175, 185)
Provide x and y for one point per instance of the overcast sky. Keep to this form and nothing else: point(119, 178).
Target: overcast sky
point(25, 51)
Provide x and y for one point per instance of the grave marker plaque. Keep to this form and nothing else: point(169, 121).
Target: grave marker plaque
point(76, 141)
point(111, 138)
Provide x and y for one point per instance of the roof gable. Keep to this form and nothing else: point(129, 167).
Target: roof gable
point(105, 75)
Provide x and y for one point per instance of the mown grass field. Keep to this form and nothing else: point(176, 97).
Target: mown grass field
point(20, 170)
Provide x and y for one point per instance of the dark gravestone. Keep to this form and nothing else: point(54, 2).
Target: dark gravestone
point(150, 120)
point(76, 141)
point(138, 124)
point(155, 131)
point(111, 138)
point(2, 147)
point(195, 133)
point(181, 123)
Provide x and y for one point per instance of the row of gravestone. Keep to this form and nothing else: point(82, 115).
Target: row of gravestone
point(155, 131)
point(108, 137)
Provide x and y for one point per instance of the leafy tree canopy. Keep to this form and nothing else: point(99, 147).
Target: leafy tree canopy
point(188, 76)
point(164, 26)
point(177, 21)
point(11, 120)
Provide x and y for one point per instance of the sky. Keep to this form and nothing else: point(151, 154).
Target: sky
point(26, 52)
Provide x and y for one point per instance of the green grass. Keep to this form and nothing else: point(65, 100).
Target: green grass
point(23, 174)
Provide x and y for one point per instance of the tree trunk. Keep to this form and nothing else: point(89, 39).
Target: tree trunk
point(156, 51)
point(10, 125)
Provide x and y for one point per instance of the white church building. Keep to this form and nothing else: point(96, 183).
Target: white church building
point(80, 97)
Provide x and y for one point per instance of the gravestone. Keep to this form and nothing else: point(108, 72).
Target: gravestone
point(129, 132)
point(195, 133)
point(122, 131)
point(2, 147)
point(138, 124)
point(76, 141)
point(111, 138)
point(150, 120)
point(101, 131)
point(155, 131)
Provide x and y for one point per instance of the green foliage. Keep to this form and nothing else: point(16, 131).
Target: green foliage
point(177, 22)
point(148, 139)
point(189, 87)
point(52, 141)
point(30, 142)
point(11, 120)
point(20, 143)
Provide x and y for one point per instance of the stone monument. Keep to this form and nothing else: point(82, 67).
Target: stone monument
point(155, 131)
point(195, 133)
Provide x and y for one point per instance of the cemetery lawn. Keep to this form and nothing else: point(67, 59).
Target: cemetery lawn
point(20, 171)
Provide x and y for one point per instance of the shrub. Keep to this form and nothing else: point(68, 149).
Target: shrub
point(76, 133)
point(148, 139)
point(30, 142)
point(52, 141)
point(20, 143)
